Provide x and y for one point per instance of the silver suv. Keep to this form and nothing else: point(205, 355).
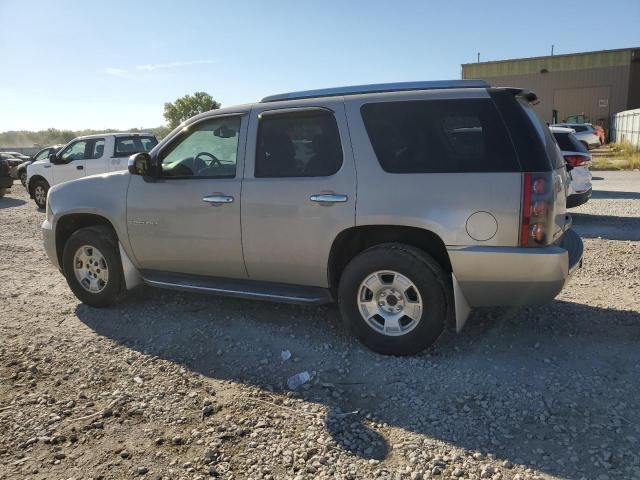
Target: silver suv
point(407, 204)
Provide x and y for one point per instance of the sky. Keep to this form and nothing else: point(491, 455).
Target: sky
point(71, 64)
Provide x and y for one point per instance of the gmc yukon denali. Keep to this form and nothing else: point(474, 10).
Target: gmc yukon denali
point(407, 204)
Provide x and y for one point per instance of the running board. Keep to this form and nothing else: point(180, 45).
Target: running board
point(248, 289)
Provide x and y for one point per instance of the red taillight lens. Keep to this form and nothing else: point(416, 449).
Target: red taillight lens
point(537, 208)
point(576, 160)
point(539, 185)
point(538, 232)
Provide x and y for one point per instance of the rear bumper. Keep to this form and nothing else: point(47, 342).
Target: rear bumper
point(515, 276)
point(578, 199)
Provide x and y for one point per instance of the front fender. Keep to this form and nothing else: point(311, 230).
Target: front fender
point(103, 195)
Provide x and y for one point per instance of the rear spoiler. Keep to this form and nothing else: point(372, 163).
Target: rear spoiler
point(527, 95)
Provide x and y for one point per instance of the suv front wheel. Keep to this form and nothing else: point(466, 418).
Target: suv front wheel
point(395, 299)
point(92, 266)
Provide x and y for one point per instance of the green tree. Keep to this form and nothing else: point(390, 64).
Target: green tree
point(186, 107)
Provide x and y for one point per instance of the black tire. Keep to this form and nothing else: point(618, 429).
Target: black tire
point(23, 177)
point(424, 272)
point(40, 184)
point(3, 192)
point(103, 239)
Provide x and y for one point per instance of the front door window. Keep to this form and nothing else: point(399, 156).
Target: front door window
point(208, 150)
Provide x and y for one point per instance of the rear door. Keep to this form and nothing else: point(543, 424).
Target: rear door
point(299, 191)
point(125, 146)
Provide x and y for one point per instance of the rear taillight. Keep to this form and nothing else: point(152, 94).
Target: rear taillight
point(576, 160)
point(537, 209)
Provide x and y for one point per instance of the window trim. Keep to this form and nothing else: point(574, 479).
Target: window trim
point(117, 154)
point(291, 112)
point(184, 133)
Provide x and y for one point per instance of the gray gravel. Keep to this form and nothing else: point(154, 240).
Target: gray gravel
point(171, 385)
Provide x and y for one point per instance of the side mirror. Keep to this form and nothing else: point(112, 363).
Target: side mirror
point(140, 164)
point(53, 158)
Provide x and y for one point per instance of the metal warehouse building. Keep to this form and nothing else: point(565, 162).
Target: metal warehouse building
point(596, 84)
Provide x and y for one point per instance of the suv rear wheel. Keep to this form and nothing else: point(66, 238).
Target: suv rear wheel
point(395, 299)
point(92, 266)
point(40, 190)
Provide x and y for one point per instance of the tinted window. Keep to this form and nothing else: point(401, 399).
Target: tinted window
point(208, 149)
point(439, 136)
point(126, 146)
point(298, 145)
point(579, 128)
point(568, 142)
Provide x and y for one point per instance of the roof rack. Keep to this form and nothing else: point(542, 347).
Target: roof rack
point(377, 88)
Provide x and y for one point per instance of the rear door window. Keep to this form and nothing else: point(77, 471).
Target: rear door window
point(439, 136)
point(96, 149)
point(126, 146)
point(305, 144)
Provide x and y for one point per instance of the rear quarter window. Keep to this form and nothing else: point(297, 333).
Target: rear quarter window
point(439, 136)
point(125, 146)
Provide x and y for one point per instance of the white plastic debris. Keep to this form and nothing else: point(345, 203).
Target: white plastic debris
point(285, 355)
point(298, 380)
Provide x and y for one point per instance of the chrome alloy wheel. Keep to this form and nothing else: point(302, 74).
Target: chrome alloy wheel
point(91, 269)
point(390, 303)
point(40, 194)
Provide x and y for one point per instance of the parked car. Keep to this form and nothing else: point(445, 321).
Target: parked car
point(407, 204)
point(10, 159)
point(42, 155)
point(584, 132)
point(577, 158)
point(20, 156)
point(5, 177)
point(84, 156)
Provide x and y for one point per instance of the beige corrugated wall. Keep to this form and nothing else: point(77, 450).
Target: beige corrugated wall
point(596, 92)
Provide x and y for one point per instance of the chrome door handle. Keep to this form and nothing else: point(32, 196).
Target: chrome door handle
point(217, 199)
point(328, 198)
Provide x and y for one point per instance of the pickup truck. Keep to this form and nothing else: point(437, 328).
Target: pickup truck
point(84, 156)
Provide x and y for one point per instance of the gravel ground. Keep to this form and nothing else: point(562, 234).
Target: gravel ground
point(172, 385)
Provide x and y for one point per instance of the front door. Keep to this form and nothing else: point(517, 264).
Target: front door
point(299, 191)
point(71, 162)
point(188, 219)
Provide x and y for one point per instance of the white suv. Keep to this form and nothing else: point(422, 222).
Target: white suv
point(84, 156)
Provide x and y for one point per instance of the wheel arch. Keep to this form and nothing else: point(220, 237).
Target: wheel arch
point(354, 240)
point(72, 222)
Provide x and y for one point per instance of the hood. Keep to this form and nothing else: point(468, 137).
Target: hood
point(103, 194)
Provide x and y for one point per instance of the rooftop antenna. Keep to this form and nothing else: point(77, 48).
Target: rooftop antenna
point(478, 57)
point(552, 50)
